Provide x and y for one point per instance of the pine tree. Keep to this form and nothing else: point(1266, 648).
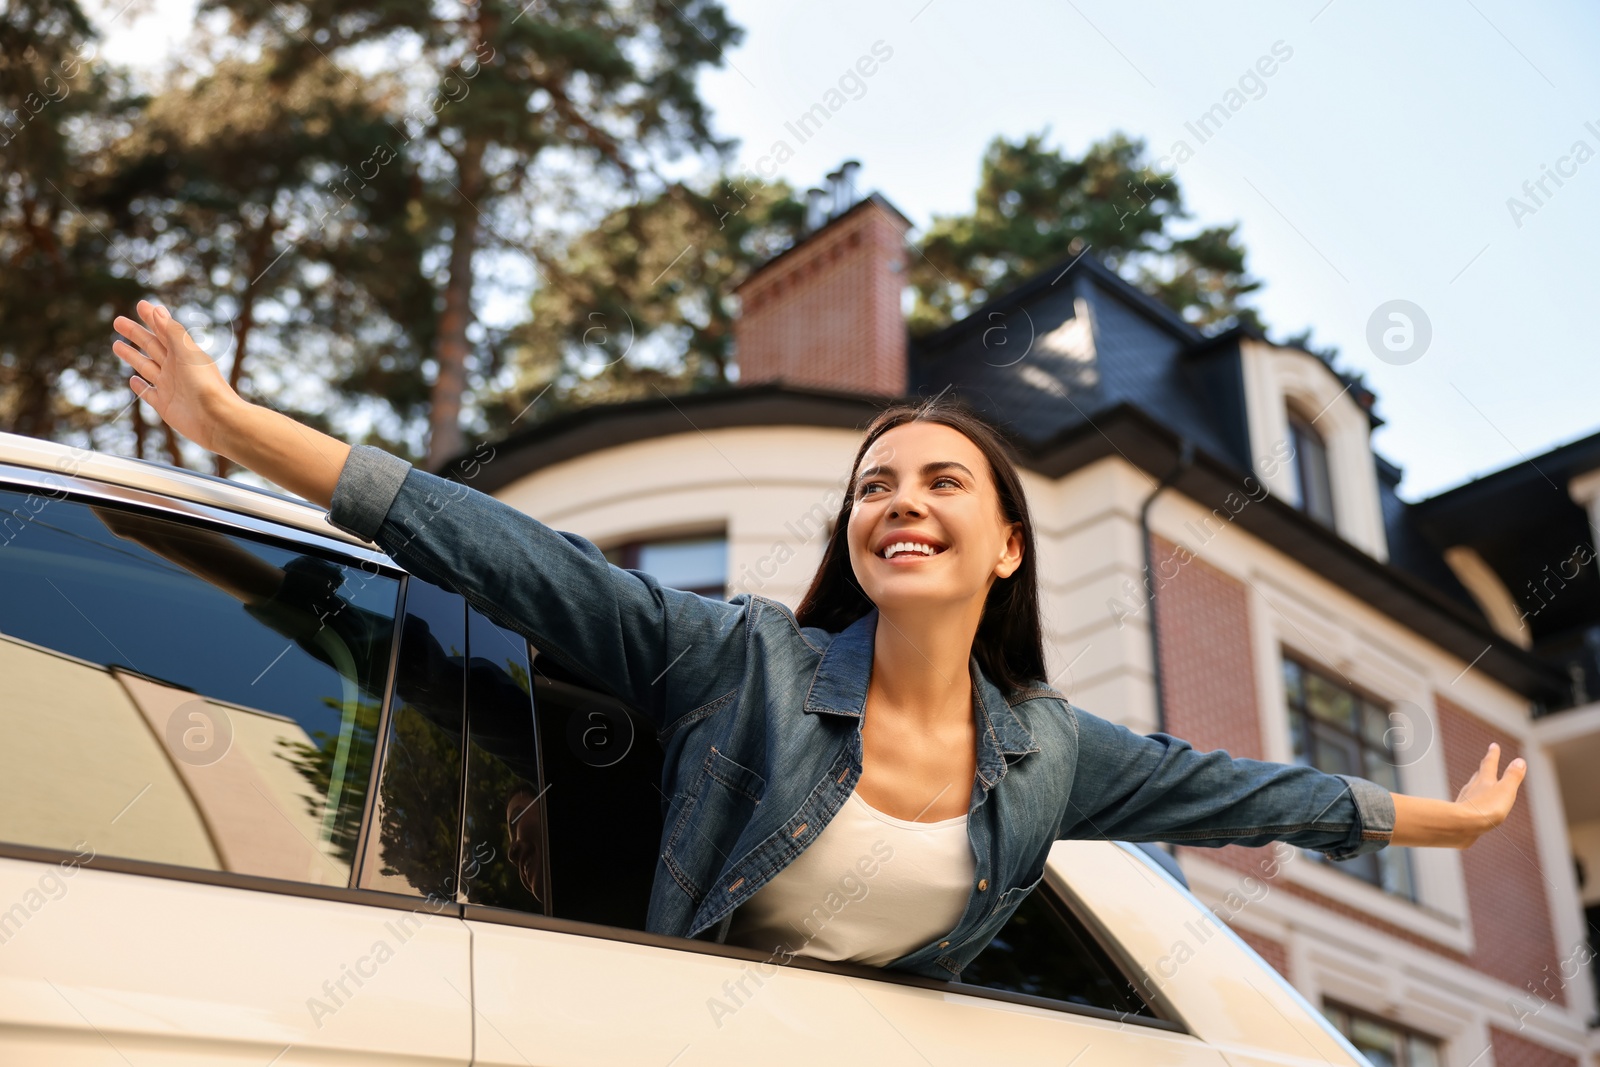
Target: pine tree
point(1035, 206)
point(600, 84)
point(60, 276)
point(642, 304)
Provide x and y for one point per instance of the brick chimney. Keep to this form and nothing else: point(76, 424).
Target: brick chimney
point(826, 313)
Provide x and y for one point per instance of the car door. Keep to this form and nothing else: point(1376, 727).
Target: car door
point(193, 705)
point(564, 974)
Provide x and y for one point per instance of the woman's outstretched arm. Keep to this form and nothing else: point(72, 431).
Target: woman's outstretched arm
point(663, 650)
point(1157, 787)
point(177, 378)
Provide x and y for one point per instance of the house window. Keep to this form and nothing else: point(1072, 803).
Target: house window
point(1312, 488)
point(1382, 1042)
point(1340, 731)
point(693, 564)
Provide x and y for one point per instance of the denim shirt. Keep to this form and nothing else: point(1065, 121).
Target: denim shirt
point(759, 719)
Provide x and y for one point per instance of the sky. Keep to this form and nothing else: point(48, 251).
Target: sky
point(1395, 153)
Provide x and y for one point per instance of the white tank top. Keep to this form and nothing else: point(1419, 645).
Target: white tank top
point(870, 888)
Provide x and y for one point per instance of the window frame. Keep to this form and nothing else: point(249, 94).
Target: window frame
point(1303, 430)
point(369, 823)
point(1362, 696)
point(1409, 1033)
point(630, 550)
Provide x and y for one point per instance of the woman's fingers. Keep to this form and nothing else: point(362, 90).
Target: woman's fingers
point(138, 338)
point(142, 364)
point(144, 339)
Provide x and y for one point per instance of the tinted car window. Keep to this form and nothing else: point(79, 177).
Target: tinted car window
point(602, 800)
point(185, 695)
point(503, 858)
point(416, 832)
point(1045, 951)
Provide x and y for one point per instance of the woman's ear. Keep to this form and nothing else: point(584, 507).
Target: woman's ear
point(1011, 553)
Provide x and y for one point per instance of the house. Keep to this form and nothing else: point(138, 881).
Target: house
point(1296, 610)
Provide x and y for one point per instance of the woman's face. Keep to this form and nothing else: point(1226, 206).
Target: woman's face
point(927, 483)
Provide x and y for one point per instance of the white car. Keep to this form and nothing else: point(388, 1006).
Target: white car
point(266, 799)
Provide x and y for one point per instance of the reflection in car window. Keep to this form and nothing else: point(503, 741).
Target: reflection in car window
point(1044, 951)
point(179, 694)
point(602, 802)
point(418, 811)
point(503, 861)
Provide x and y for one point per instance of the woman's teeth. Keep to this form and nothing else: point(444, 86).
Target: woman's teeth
point(910, 546)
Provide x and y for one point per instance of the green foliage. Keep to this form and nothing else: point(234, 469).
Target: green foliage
point(1035, 207)
point(60, 274)
point(644, 301)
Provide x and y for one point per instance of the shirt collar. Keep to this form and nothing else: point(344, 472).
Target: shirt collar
point(839, 687)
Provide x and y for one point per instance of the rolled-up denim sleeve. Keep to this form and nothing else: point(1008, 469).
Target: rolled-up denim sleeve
point(620, 629)
point(1155, 787)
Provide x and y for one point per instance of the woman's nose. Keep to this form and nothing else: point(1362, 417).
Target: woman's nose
point(904, 506)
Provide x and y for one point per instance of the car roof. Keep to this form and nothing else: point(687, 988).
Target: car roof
point(67, 462)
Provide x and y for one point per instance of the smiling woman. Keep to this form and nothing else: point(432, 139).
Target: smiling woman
point(899, 717)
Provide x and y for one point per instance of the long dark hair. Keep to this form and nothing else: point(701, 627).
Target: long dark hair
point(1009, 643)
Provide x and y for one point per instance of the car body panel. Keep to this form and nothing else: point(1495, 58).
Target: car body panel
point(550, 997)
point(113, 967)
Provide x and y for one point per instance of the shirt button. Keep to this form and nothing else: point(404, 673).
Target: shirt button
point(983, 883)
point(944, 944)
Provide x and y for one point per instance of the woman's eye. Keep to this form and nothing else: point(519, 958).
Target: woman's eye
point(946, 478)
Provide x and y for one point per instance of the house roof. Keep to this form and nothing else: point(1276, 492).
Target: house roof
point(1524, 523)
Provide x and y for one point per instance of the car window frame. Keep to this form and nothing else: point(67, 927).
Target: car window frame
point(1166, 1018)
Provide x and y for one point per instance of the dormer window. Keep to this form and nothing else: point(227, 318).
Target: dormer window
point(1311, 486)
point(1295, 400)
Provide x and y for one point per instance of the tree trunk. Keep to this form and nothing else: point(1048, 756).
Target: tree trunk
point(33, 416)
point(140, 428)
point(173, 453)
point(450, 350)
point(260, 248)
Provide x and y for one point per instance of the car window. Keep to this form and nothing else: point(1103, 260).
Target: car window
point(503, 858)
point(185, 695)
point(1045, 951)
point(602, 800)
point(414, 839)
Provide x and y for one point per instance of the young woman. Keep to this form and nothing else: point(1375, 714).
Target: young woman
point(878, 776)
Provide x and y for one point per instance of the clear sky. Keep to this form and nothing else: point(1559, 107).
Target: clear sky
point(1374, 164)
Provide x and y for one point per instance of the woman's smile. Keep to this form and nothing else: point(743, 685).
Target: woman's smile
point(902, 553)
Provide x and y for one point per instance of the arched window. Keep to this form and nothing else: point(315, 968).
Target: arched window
point(1312, 488)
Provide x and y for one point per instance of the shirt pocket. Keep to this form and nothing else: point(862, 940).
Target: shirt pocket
point(709, 819)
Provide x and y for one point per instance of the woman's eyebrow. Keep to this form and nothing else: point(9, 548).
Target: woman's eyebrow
point(927, 468)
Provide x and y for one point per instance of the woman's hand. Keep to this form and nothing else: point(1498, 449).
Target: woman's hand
point(1488, 794)
point(1482, 805)
point(174, 375)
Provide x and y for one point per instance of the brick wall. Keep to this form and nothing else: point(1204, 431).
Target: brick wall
point(1208, 670)
point(827, 313)
point(1514, 1050)
point(1506, 892)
